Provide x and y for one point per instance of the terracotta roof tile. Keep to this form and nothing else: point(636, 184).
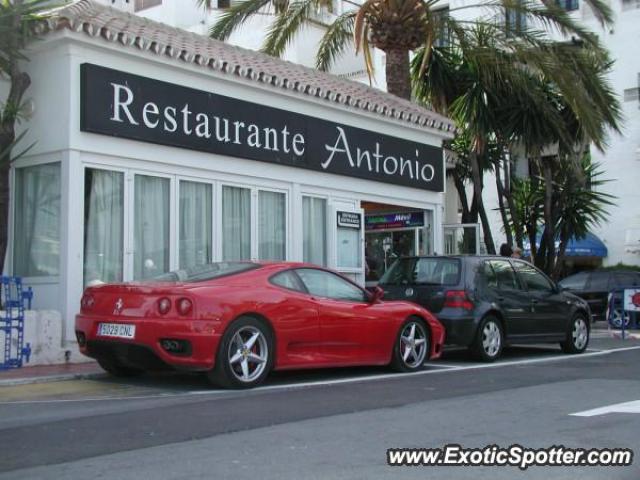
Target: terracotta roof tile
point(138, 32)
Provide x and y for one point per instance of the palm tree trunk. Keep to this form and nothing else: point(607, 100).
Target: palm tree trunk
point(20, 81)
point(476, 177)
point(398, 73)
point(549, 230)
point(502, 206)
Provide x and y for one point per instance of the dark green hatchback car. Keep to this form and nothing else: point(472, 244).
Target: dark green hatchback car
point(487, 302)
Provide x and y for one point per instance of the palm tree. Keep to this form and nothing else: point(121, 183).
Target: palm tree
point(397, 27)
point(549, 93)
point(17, 18)
point(570, 111)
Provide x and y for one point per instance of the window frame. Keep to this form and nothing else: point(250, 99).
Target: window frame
point(184, 178)
point(292, 271)
point(314, 196)
point(515, 274)
point(523, 282)
point(11, 227)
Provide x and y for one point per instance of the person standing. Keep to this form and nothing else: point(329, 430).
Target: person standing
point(505, 250)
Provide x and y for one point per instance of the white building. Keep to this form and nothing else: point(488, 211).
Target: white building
point(159, 149)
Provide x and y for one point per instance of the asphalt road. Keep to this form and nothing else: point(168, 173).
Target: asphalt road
point(325, 424)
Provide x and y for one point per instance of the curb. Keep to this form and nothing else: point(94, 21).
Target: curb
point(10, 382)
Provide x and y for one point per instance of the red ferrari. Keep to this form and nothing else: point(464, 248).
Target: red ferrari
point(239, 320)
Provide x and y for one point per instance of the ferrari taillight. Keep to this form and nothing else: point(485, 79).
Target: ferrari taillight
point(164, 305)
point(87, 302)
point(184, 306)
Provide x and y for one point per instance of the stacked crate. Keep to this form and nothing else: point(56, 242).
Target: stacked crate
point(12, 306)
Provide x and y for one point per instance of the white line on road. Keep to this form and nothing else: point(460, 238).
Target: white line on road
point(627, 407)
point(363, 378)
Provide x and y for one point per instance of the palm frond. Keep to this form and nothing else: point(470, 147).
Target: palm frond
point(286, 25)
point(235, 17)
point(334, 42)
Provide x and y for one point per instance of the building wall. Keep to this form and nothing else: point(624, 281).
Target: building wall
point(55, 125)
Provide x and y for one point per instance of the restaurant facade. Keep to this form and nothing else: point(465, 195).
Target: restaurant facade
point(157, 149)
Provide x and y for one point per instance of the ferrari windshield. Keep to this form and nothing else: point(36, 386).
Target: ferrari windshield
point(204, 272)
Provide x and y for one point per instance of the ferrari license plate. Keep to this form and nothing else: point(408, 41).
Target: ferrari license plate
point(119, 330)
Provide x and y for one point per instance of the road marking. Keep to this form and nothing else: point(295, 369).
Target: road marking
point(340, 381)
point(628, 407)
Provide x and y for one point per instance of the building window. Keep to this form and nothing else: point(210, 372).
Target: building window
point(349, 253)
point(236, 223)
point(568, 5)
point(515, 20)
point(144, 4)
point(103, 226)
point(443, 34)
point(151, 226)
point(37, 221)
point(314, 230)
point(195, 224)
point(272, 225)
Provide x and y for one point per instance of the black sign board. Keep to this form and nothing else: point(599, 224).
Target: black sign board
point(349, 219)
point(119, 104)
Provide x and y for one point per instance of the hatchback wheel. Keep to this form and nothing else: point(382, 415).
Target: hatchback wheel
point(245, 354)
point(488, 343)
point(412, 346)
point(618, 316)
point(577, 335)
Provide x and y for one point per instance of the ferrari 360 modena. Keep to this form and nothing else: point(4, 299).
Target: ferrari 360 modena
point(237, 321)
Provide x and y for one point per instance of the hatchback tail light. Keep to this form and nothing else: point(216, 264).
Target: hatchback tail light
point(184, 306)
point(458, 299)
point(164, 305)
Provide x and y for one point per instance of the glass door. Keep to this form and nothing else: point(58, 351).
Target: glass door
point(384, 247)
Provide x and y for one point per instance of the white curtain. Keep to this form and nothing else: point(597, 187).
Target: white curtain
point(236, 223)
point(37, 221)
point(314, 230)
point(103, 228)
point(272, 225)
point(151, 226)
point(195, 224)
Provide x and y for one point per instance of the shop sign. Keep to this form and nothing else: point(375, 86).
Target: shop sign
point(632, 300)
point(394, 220)
point(129, 106)
point(349, 220)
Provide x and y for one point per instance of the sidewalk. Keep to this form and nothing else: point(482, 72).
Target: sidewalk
point(49, 373)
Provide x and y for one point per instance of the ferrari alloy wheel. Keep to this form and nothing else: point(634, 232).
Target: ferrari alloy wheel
point(488, 343)
point(577, 335)
point(412, 346)
point(245, 354)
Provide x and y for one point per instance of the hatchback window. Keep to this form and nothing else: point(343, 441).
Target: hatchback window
point(575, 282)
point(505, 275)
point(329, 285)
point(532, 278)
point(423, 271)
